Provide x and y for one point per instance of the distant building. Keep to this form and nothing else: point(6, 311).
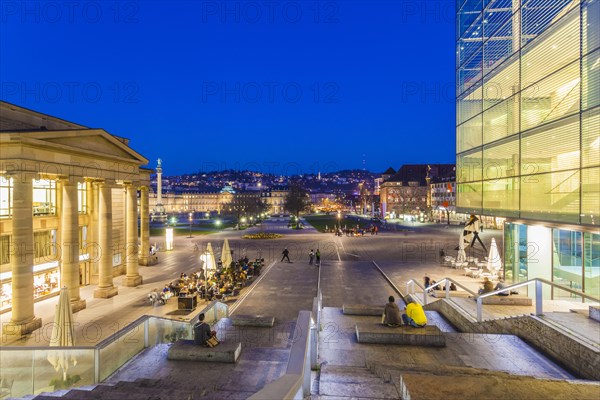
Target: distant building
point(68, 212)
point(404, 194)
point(275, 199)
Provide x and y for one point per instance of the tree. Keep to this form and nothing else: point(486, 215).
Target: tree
point(297, 200)
point(246, 205)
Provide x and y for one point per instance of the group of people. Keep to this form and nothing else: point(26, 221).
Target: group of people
point(488, 287)
point(431, 282)
point(222, 283)
point(314, 257)
point(357, 231)
point(413, 315)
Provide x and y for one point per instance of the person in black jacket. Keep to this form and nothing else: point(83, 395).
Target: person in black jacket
point(202, 331)
point(286, 255)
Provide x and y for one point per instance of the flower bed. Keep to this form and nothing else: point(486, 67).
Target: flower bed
point(262, 236)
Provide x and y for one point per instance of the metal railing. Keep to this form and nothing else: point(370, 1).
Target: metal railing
point(410, 288)
point(538, 282)
point(539, 298)
point(36, 369)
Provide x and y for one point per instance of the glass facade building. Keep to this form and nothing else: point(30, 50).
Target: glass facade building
point(528, 131)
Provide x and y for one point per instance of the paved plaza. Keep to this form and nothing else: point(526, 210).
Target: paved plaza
point(347, 275)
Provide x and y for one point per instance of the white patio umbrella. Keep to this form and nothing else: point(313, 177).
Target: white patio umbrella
point(210, 251)
point(462, 256)
point(63, 334)
point(494, 263)
point(226, 258)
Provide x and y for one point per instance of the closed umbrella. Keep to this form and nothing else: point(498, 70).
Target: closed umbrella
point(210, 251)
point(63, 334)
point(494, 263)
point(226, 258)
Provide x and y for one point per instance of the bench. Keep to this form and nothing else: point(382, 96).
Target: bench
point(187, 350)
point(429, 335)
point(513, 300)
point(252, 320)
point(362, 309)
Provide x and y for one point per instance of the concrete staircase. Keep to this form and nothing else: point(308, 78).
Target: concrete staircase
point(140, 389)
point(340, 382)
point(417, 382)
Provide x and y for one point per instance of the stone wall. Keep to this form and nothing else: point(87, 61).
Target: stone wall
point(581, 358)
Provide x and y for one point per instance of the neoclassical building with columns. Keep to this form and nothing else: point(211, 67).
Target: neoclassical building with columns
point(70, 197)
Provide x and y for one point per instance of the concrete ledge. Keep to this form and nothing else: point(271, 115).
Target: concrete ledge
point(362, 309)
point(595, 313)
point(508, 300)
point(187, 350)
point(252, 320)
point(429, 335)
point(453, 293)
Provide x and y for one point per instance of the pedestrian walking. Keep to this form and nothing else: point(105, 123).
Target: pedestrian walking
point(311, 257)
point(286, 255)
point(318, 257)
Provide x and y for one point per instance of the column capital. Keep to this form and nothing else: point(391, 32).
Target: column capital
point(130, 183)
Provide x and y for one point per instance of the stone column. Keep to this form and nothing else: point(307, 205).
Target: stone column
point(23, 320)
point(106, 287)
point(144, 226)
point(132, 277)
point(69, 227)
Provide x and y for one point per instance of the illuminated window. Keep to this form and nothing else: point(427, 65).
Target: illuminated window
point(6, 194)
point(44, 244)
point(4, 249)
point(44, 197)
point(82, 197)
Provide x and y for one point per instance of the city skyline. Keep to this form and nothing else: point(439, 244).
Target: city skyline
point(293, 86)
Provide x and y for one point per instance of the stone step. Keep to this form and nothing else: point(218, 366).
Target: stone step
point(353, 382)
point(429, 335)
point(451, 382)
point(362, 309)
point(253, 320)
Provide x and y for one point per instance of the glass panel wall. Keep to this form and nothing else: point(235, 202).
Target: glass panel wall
point(551, 197)
point(567, 261)
point(591, 263)
point(553, 148)
point(590, 196)
point(528, 93)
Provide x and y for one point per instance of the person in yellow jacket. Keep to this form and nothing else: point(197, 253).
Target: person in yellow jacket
point(414, 315)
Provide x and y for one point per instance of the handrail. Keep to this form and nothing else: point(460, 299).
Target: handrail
point(538, 294)
point(479, 297)
point(142, 321)
point(410, 287)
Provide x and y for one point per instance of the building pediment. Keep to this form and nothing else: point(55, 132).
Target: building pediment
point(92, 142)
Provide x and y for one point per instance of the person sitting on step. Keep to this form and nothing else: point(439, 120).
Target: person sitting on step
point(391, 313)
point(202, 331)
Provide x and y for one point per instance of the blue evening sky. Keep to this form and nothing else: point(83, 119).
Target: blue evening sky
point(275, 86)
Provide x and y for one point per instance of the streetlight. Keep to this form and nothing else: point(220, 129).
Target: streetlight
point(218, 222)
point(191, 214)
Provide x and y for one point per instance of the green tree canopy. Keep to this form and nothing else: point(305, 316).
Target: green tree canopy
point(297, 200)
